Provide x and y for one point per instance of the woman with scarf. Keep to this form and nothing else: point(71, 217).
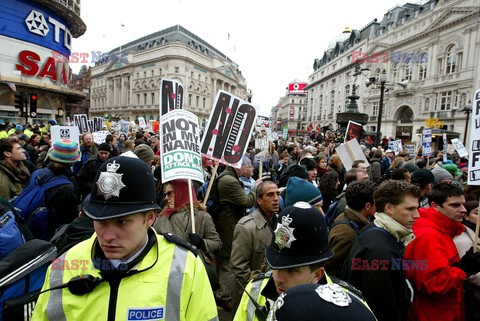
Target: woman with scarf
point(13, 173)
point(464, 242)
point(175, 218)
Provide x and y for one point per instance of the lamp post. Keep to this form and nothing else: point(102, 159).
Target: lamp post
point(382, 80)
point(467, 110)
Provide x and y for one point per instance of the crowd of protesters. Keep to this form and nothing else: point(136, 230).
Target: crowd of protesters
point(401, 227)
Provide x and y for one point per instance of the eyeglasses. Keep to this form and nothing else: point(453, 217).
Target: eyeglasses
point(169, 194)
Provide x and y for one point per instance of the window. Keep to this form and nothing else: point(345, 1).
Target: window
point(375, 109)
point(177, 70)
point(451, 59)
point(347, 93)
point(190, 99)
point(408, 69)
point(145, 99)
point(394, 72)
point(427, 104)
point(138, 99)
point(153, 98)
point(144, 74)
point(151, 73)
point(160, 71)
point(332, 101)
point(199, 76)
point(446, 100)
point(191, 74)
point(422, 71)
point(204, 102)
point(197, 101)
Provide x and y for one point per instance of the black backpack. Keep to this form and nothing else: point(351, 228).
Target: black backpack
point(214, 206)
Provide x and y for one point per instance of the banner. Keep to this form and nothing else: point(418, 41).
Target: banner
point(81, 121)
point(171, 96)
point(397, 146)
point(474, 146)
point(410, 148)
point(229, 129)
point(97, 124)
point(179, 138)
point(99, 137)
point(141, 123)
point(354, 130)
point(444, 148)
point(350, 152)
point(124, 126)
point(427, 142)
point(458, 145)
point(285, 132)
point(65, 132)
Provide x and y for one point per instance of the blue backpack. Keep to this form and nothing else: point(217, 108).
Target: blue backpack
point(30, 204)
point(10, 235)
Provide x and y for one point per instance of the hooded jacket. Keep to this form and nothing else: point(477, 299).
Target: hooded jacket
point(438, 288)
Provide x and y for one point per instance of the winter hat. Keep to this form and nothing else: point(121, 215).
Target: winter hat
point(411, 167)
point(453, 169)
point(422, 176)
point(299, 189)
point(309, 163)
point(104, 147)
point(19, 128)
point(441, 174)
point(52, 122)
point(65, 151)
point(144, 152)
point(311, 302)
point(292, 170)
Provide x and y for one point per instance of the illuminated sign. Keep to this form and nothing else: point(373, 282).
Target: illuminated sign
point(30, 22)
point(30, 65)
point(297, 88)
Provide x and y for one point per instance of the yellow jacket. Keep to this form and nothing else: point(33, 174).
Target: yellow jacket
point(173, 286)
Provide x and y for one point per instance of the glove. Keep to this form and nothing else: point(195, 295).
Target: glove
point(470, 262)
point(196, 240)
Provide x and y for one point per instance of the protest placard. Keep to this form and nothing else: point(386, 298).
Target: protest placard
point(350, 152)
point(427, 142)
point(90, 125)
point(444, 148)
point(474, 146)
point(410, 148)
point(81, 121)
point(285, 132)
point(171, 96)
point(124, 126)
point(141, 123)
point(65, 132)
point(458, 145)
point(230, 127)
point(354, 130)
point(97, 124)
point(99, 137)
point(397, 146)
point(179, 146)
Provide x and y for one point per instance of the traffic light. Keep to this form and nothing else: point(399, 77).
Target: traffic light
point(33, 105)
point(19, 101)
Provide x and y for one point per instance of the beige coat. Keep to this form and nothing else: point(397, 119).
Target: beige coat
point(179, 224)
point(251, 237)
point(464, 242)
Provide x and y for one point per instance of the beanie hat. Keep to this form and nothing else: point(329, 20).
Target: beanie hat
point(144, 152)
point(292, 170)
point(309, 163)
point(440, 174)
point(104, 147)
point(19, 127)
point(411, 167)
point(65, 151)
point(453, 169)
point(52, 122)
point(422, 176)
point(299, 189)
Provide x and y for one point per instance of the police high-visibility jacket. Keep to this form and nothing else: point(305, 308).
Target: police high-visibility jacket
point(246, 309)
point(173, 286)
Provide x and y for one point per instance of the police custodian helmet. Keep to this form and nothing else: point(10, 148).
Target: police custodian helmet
point(123, 186)
point(301, 238)
point(311, 302)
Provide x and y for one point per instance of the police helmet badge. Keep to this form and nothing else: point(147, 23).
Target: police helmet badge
point(284, 233)
point(110, 182)
point(334, 293)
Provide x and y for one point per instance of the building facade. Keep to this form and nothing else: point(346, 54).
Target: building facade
point(129, 87)
point(291, 110)
point(35, 50)
point(434, 45)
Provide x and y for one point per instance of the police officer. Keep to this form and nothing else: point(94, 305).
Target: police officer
point(296, 256)
point(126, 271)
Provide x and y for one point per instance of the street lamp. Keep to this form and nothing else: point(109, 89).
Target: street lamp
point(381, 82)
point(467, 110)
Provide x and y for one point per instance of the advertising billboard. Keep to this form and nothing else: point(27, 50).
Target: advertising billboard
point(297, 88)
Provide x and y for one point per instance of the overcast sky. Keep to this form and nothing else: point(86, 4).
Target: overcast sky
point(274, 42)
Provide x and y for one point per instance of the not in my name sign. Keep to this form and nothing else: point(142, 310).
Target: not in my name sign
point(474, 147)
point(180, 146)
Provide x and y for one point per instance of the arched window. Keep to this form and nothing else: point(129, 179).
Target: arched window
point(408, 69)
point(451, 59)
point(394, 72)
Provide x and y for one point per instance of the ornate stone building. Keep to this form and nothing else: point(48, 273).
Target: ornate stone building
point(434, 45)
point(128, 87)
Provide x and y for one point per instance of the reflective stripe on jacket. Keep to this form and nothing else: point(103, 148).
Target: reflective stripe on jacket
point(176, 287)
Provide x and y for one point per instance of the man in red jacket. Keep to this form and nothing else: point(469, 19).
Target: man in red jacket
point(439, 285)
